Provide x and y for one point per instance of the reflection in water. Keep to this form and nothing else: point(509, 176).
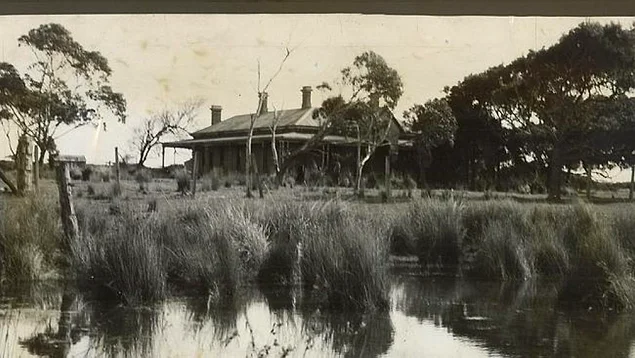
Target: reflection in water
point(514, 319)
point(431, 317)
point(349, 335)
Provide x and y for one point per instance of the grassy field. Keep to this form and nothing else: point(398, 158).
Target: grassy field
point(141, 242)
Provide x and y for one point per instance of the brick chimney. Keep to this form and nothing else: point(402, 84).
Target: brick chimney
point(216, 111)
point(263, 96)
point(306, 97)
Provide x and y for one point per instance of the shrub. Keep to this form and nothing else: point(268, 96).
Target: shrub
point(86, 173)
point(105, 175)
point(75, 174)
point(182, 181)
point(115, 190)
point(410, 185)
point(210, 181)
point(143, 177)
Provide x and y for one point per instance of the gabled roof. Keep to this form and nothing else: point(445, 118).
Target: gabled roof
point(69, 158)
point(290, 117)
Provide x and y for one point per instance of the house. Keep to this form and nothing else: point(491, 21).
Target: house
point(221, 146)
point(74, 162)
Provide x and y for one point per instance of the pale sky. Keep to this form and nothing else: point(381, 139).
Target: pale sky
point(160, 60)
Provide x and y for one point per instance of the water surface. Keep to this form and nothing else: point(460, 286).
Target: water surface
point(428, 318)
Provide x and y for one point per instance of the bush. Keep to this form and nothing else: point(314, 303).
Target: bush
point(143, 177)
point(210, 181)
point(182, 181)
point(115, 190)
point(86, 173)
point(75, 174)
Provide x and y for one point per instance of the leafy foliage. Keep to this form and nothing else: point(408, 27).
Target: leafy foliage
point(434, 125)
point(65, 85)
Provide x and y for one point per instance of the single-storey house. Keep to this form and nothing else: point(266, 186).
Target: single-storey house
point(221, 146)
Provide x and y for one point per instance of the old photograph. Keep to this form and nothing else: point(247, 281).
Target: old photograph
point(317, 185)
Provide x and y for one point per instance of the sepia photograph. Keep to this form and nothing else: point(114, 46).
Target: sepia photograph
point(316, 185)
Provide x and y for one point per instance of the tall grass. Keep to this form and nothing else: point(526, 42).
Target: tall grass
point(434, 230)
point(504, 240)
point(135, 255)
point(601, 274)
point(218, 247)
point(330, 247)
point(119, 257)
point(30, 234)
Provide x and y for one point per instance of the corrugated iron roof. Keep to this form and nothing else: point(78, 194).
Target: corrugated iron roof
point(288, 117)
point(331, 139)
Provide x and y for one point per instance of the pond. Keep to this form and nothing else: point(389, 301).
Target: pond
point(428, 317)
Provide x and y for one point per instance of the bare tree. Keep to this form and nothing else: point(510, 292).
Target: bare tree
point(262, 97)
point(273, 127)
point(6, 128)
point(168, 122)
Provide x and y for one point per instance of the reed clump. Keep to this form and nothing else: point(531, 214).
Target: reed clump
point(330, 250)
point(435, 229)
point(30, 237)
point(504, 240)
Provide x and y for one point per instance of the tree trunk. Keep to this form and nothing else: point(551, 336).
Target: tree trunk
point(632, 187)
point(258, 179)
point(12, 187)
point(422, 179)
point(359, 190)
point(589, 181)
point(248, 161)
point(555, 174)
point(42, 155)
point(274, 153)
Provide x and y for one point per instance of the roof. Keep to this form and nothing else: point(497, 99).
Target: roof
point(331, 139)
point(290, 117)
point(67, 158)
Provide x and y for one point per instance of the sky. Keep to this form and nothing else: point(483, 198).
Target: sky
point(159, 61)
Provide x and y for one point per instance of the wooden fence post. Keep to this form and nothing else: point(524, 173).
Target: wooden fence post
point(162, 156)
point(194, 171)
point(24, 165)
point(67, 212)
point(117, 165)
point(36, 167)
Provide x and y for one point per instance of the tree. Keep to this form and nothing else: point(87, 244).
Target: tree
point(375, 90)
point(549, 93)
point(283, 163)
point(434, 125)
point(480, 142)
point(168, 122)
point(65, 85)
point(262, 100)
